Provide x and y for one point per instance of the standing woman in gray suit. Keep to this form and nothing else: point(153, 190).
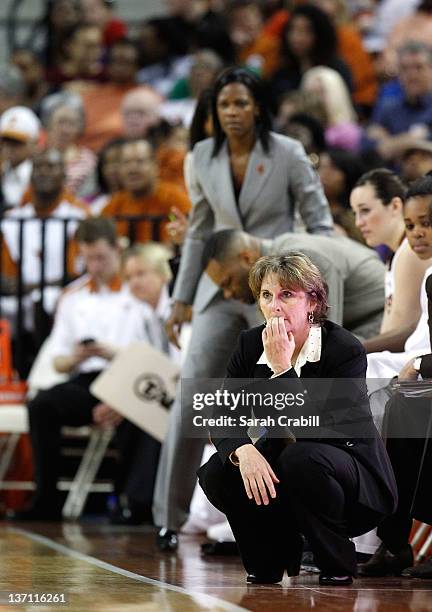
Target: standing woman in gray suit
point(244, 177)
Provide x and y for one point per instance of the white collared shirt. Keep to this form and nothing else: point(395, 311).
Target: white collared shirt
point(15, 181)
point(310, 351)
point(106, 315)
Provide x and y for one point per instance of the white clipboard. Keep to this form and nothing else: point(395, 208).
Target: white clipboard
point(140, 383)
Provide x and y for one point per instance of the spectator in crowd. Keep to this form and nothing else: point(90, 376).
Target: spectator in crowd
point(341, 127)
point(299, 102)
point(205, 66)
point(94, 319)
point(102, 102)
point(19, 133)
point(309, 40)
point(146, 268)
point(47, 200)
point(253, 47)
point(107, 174)
point(64, 119)
point(12, 87)
point(309, 131)
point(82, 62)
point(203, 70)
point(33, 72)
point(416, 161)
point(211, 29)
point(170, 141)
point(353, 53)
point(100, 13)
point(51, 210)
point(143, 194)
point(242, 165)
point(60, 17)
point(396, 123)
point(200, 24)
point(416, 27)
point(142, 118)
point(163, 55)
point(377, 201)
point(339, 170)
point(140, 110)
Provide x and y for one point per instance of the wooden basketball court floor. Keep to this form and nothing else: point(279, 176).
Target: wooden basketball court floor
point(114, 569)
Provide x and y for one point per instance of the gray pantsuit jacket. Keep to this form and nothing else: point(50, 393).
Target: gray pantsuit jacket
point(276, 184)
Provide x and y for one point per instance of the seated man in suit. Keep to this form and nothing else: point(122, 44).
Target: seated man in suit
point(353, 273)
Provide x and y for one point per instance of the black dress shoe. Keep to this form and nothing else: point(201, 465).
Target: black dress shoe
point(335, 580)
point(384, 563)
point(167, 539)
point(423, 570)
point(262, 579)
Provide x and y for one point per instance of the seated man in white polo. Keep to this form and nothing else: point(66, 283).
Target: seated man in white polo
point(95, 317)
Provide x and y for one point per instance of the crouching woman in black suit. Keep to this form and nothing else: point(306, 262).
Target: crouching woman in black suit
point(326, 489)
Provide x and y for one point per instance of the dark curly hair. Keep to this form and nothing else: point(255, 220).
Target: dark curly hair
point(325, 43)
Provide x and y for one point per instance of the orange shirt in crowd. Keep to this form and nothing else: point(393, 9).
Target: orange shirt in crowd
point(165, 196)
point(275, 25)
point(102, 105)
point(170, 163)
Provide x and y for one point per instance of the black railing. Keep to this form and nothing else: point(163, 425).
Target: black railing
point(19, 289)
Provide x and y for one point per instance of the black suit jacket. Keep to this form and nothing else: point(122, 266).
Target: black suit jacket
point(342, 356)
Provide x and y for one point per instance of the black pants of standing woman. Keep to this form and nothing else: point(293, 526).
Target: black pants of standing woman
point(316, 498)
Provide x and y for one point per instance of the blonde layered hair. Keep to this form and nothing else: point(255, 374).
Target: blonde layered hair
point(329, 86)
point(153, 254)
point(294, 271)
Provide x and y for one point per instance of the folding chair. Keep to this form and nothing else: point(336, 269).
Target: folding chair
point(14, 421)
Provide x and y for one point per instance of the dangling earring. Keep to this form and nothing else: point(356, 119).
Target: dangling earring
point(311, 318)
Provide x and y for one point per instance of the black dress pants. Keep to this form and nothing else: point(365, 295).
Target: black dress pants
point(69, 403)
point(317, 497)
point(138, 461)
point(411, 459)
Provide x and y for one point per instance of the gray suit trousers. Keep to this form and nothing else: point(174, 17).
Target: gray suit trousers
point(215, 331)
